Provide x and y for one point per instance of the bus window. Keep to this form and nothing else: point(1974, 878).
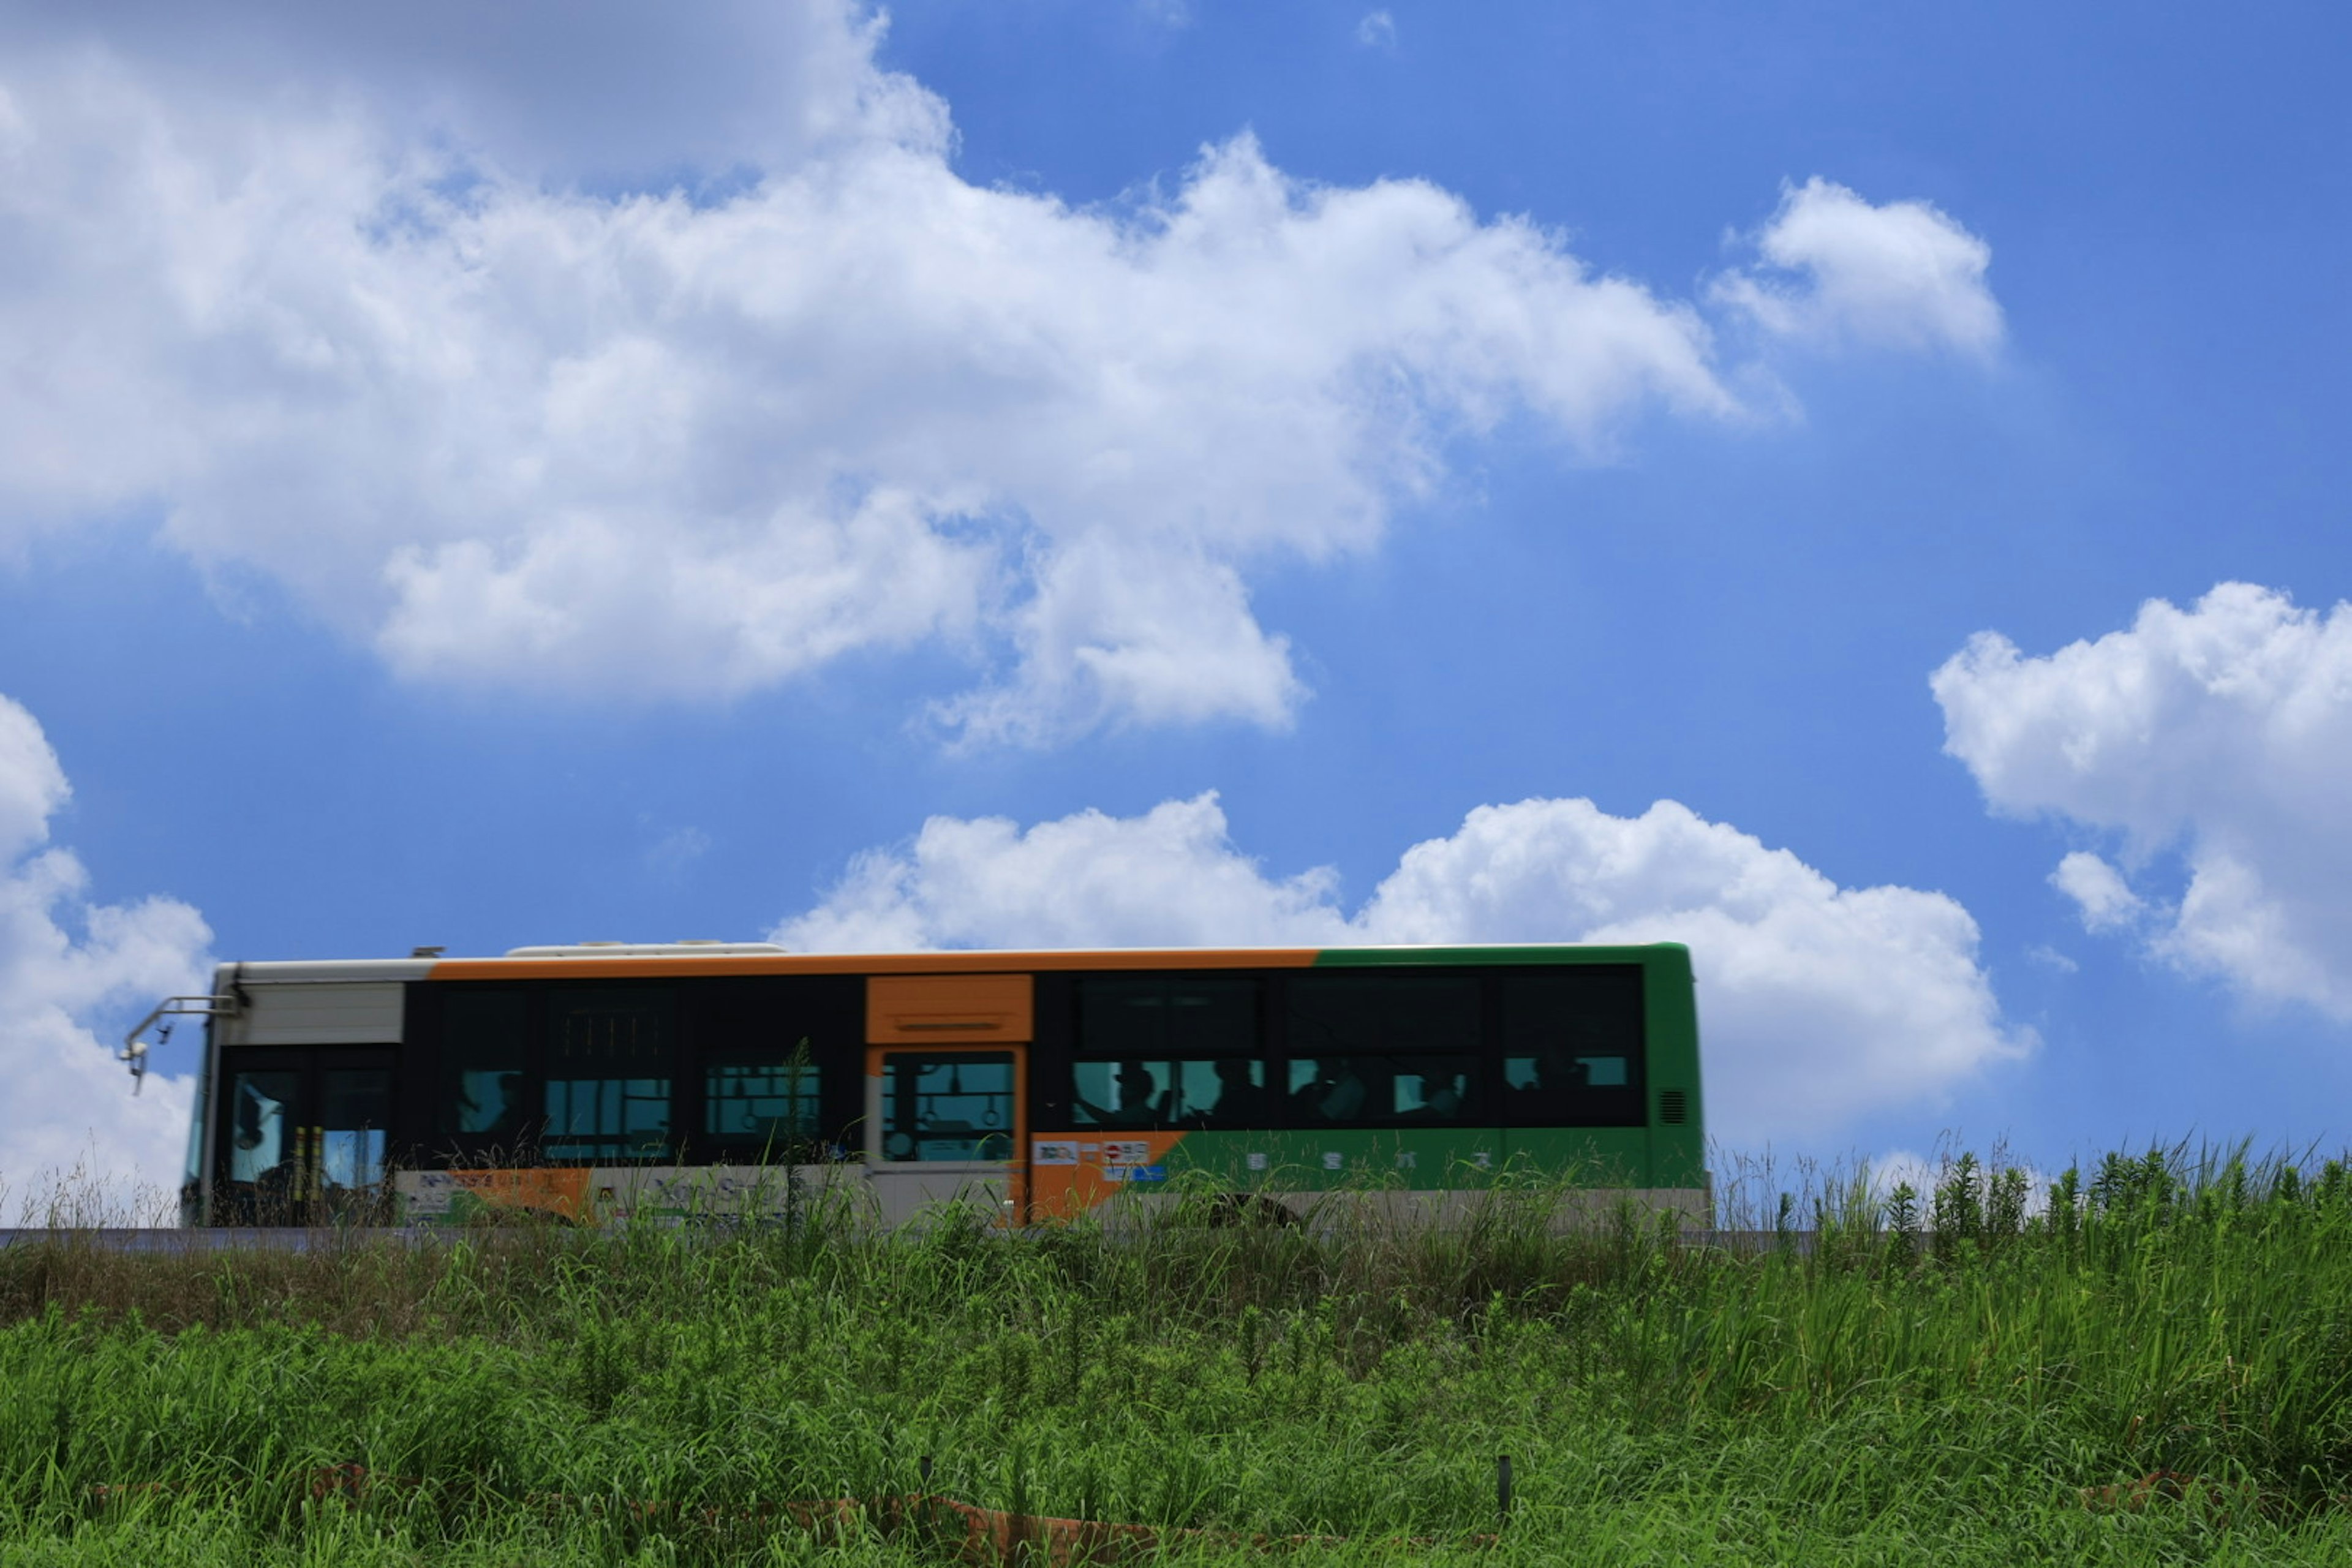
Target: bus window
point(777, 1061)
point(259, 1130)
point(483, 1092)
point(1341, 1013)
point(1156, 1015)
point(1211, 1091)
point(771, 1100)
point(1380, 1091)
point(1430, 1091)
point(608, 1074)
point(358, 1106)
point(946, 1105)
point(1227, 1092)
point(1572, 1049)
point(1127, 1093)
point(1565, 1069)
point(194, 1169)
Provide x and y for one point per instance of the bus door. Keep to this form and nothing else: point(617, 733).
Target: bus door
point(304, 1137)
point(947, 1083)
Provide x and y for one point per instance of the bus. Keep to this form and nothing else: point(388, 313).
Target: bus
point(597, 1082)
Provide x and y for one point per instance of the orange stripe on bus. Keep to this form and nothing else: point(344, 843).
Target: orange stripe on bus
point(872, 964)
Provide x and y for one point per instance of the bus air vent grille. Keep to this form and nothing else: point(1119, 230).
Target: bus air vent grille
point(1674, 1107)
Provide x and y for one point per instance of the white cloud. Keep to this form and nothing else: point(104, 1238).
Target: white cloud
point(66, 1105)
point(1169, 878)
point(2100, 893)
point(2222, 734)
point(398, 309)
point(1376, 31)
point(32, 784)
point(1902, 275)
point(2050, 958)
point(1818, 1003)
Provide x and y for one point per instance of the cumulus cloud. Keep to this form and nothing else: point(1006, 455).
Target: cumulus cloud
point(547, 367)
point(1376, 31)
point(2216, 739)
point(1839, 269)
point(66, 1105)
point(2100, 893)
point(1818, 1003)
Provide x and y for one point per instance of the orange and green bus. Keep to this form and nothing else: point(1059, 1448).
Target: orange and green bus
point(602, 1080)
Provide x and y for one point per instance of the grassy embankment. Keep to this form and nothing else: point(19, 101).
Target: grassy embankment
point(1885, 1393)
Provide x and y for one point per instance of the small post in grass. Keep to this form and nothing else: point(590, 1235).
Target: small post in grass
point(1502, 1491)
point(925, 1466)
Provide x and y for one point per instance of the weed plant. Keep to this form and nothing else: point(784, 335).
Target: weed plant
point(1987, 1369)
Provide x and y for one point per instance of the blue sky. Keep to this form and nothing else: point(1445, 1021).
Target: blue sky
point(570, 476)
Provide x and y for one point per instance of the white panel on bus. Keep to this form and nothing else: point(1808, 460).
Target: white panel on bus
point(321, 1016)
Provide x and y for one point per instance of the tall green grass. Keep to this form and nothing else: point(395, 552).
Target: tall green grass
point(1864, 1376)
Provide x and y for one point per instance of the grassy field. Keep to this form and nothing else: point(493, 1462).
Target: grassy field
point(1944, 1378)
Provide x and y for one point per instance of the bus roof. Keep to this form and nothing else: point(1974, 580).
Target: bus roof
point(682, 960)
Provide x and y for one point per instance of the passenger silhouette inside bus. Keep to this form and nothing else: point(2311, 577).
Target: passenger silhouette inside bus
point(1141, 1102)
point(1240, 1103)
point(1555, 1071)
point(1436, 1095)
point(1333, 1093)
point(500, 1120)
